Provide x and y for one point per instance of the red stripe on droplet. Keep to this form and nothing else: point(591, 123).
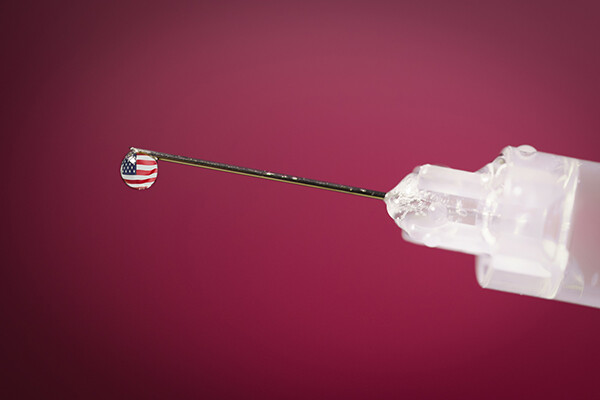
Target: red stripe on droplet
point(145, 162)
point(141, 172)
point(140, 181)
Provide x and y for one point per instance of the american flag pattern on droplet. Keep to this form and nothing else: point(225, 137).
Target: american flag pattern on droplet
point(139, 171)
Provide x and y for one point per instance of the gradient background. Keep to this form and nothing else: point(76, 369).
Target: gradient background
point(213, 285)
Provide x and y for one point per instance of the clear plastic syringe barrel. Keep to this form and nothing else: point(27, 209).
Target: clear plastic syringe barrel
point(531, 218)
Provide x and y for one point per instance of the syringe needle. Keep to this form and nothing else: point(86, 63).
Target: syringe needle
point(239, 170)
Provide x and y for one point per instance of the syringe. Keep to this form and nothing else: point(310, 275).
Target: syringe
point(530, 218)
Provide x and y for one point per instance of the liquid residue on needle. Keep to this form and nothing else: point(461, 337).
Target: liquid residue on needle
point(406, 198)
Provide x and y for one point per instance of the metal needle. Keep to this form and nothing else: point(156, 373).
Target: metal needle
point(261, 174)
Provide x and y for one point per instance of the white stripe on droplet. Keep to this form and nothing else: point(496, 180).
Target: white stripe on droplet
point(145, 157)
point(146, 167)
point(138, 177)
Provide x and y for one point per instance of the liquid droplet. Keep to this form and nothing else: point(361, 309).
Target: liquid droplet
point(139, 171)
point(526, 150)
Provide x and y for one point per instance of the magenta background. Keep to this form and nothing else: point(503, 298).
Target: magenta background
point(213, 285)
